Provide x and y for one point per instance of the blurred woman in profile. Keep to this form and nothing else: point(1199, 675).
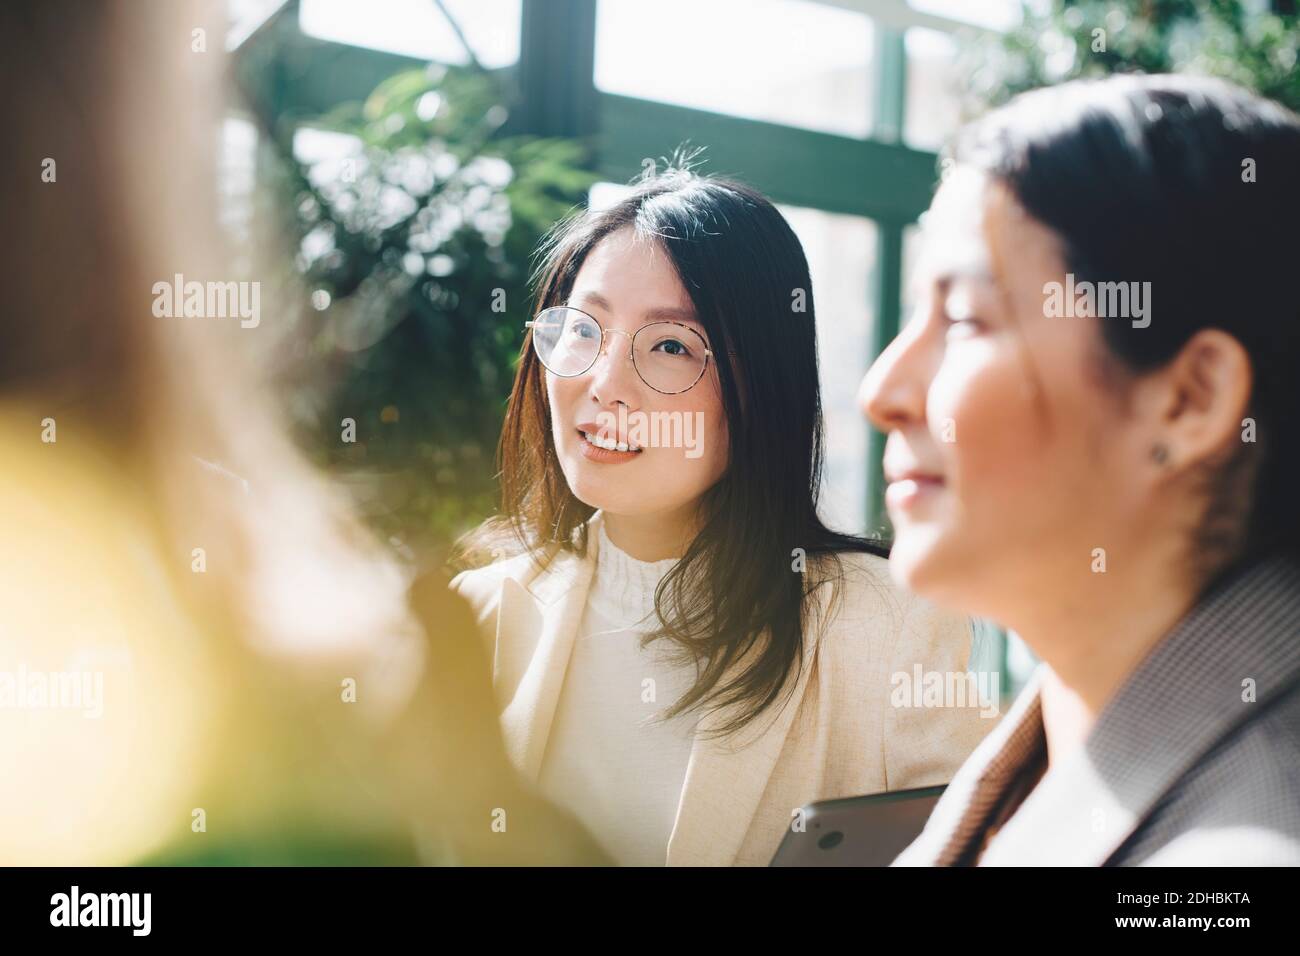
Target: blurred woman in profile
point(684, 653)
point(1109, 328)
point(203, 657)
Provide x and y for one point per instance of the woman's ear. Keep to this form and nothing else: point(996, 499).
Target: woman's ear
point(1205, 391)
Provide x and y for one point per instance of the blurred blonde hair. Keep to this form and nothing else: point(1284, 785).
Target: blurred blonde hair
point(228, 681)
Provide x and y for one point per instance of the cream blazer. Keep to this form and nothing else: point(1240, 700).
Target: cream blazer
point(837, 735)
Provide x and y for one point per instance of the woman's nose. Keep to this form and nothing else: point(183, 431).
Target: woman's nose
point(613, 377)
point(893, 390)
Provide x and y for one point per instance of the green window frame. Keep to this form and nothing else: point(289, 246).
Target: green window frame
point(879, 177)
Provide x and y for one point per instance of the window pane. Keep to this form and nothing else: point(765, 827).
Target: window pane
point(841, 253)
point(236, 178)
point(417, 28)
point(245, 16)
point(991, 14)
point(933, 109)
point(910, 293)
point(603, 195)
point(793, 62)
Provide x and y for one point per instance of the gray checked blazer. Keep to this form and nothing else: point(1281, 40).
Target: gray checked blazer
point(1184, 766)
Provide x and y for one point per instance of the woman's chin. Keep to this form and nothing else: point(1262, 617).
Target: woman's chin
point(940, 570)
point(913, 560)
point(597, 492)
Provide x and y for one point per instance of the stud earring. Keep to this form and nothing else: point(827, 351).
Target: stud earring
point(1159, 453)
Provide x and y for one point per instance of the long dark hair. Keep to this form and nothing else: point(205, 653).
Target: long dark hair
point(1194, 185)
point(746, 273)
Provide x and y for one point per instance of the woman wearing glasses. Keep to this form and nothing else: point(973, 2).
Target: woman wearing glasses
point(684, 654)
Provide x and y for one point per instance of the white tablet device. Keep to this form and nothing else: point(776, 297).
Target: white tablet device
point(857, 831)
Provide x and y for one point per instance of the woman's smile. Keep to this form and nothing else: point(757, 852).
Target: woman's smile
point(604, 449)
point(904, 494)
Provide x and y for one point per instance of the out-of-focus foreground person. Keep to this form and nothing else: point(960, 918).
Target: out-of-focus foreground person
point(203, 656)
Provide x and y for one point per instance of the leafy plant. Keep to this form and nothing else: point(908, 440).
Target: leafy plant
point(1254, 44)
point(417, 239)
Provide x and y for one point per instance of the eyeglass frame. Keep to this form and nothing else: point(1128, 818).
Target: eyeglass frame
point(708, 352)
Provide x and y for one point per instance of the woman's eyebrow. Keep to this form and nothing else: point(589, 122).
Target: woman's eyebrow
point(671, 315)
point(658, 314)
point(591, 298)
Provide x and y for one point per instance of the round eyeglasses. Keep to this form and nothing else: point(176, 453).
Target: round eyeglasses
point(670, 357)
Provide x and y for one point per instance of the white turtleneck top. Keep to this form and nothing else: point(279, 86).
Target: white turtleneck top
point(607, 759)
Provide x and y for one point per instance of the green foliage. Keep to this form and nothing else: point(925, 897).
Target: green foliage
point(1241, 42)
point(423, 241)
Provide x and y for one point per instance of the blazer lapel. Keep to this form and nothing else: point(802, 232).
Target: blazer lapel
point(726, 777)
point(1073, 817)
point(551, 606)
point(960, 815)
point(1187, 695)
point(1069, 819)
point(1182, 700)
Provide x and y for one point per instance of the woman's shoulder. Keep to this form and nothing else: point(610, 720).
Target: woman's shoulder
point(857, 604)
point(482, 585)
point(534, 571)
point(853, 586)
